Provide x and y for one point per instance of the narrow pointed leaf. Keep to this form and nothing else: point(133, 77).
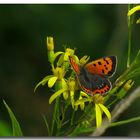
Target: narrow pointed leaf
point(47, 124)
point(134, 73)
point(15, 124)
point(60, 60)
point(138, 56)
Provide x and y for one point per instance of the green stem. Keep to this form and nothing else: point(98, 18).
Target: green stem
point(54, 115)
point(129, 38)
point(124, 122)
point(56, 107)
point(72, 118)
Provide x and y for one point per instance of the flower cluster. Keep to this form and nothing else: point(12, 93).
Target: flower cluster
point(68, 86)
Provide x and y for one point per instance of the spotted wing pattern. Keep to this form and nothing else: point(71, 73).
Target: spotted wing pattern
point(105, 66)
point(93, 78)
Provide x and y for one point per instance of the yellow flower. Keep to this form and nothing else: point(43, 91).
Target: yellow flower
point(67, 87)
point(68, 90)
point(84, 97)
point(99, 109)
point(58, 74)
point(64, 58)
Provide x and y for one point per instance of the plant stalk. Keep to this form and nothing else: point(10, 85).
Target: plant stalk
point(56, 107)
point(129, 38)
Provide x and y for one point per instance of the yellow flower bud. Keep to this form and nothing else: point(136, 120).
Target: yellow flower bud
point(128, 85)
point(50, 43)
point(84, 59)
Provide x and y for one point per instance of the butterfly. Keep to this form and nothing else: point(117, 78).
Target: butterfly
point(94, 76)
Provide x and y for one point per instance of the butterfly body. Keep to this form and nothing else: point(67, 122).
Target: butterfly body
point(93, 77)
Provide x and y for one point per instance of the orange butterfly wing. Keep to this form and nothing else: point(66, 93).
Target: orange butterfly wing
point(105, 66)
point(74, 65)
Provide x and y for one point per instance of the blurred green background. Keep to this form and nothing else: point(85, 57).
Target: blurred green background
point(93, 29)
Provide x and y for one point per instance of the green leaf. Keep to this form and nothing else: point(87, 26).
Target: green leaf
point(5, 129)
point(131, 71)
point(43, 81)
point(138, 56)
point(15, 125)
point(121, 93)
point(47, 124)
point(124, 122)
point(60, 60)
point(134, 73)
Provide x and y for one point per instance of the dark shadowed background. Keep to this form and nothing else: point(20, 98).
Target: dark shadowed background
point(95, 30)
